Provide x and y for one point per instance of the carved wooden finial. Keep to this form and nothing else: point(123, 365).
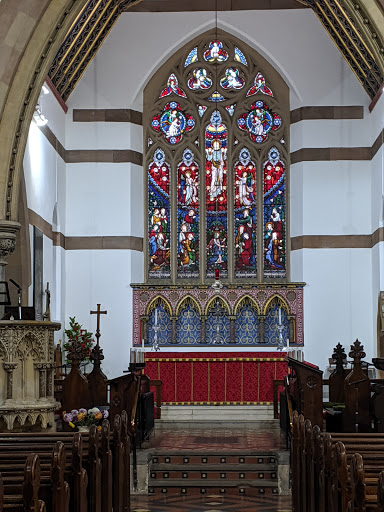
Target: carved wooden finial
point(339, 356)
point(357, 352)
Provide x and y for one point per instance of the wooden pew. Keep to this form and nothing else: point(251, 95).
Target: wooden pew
point(328, 477)
point(22, 495)
point(108, 478)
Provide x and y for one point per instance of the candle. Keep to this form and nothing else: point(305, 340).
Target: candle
point(155, 316)
point(142, 342)
point(279, 316)
point(287, 343)
point(217, 274)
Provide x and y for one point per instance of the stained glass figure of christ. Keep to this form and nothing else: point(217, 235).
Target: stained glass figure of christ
point(216, 141)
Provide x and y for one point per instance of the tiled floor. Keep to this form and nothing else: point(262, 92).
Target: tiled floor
point(215, 438)
point(211, 504)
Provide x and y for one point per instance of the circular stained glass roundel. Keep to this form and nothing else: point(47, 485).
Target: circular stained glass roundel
point(259, 122)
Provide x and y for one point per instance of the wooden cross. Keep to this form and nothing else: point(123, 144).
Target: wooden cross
point(98, 313)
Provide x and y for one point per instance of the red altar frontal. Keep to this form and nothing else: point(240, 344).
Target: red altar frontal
point(212, 378)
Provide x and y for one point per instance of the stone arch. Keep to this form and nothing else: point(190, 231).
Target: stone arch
point(212, 301)
point(159, 299)
point(243, 299)
point(37, 47)
point(193, 301)
point(282, 302)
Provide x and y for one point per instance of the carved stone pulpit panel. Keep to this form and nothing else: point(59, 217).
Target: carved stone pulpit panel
point(26, 373)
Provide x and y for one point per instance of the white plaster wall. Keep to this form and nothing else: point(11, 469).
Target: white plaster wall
point(100, 199)
point(331, 133)
point(98, 135)
point(330, 198)
point(102, 277)
point(337, 302)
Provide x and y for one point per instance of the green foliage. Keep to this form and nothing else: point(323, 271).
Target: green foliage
point(75, 333)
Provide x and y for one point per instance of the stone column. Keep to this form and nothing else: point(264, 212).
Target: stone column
point(261, 323)
point(41, 368)
point(174, 330)
point(232, 320)
point(8, 231)
point(9, 368)
point(49, 380)
point(292, 319)
point(203, 319)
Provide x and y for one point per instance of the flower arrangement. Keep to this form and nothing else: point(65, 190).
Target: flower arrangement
point(81, 337)
point(85, 418)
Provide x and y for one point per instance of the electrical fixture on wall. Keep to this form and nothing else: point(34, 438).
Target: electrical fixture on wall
point(38, 115)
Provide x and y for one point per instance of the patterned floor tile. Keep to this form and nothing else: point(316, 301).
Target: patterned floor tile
point(211, 504)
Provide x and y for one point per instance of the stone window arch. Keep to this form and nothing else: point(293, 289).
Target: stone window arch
point(216, 139)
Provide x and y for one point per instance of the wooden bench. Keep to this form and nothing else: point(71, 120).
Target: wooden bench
point(328, 476)
point(97, 472)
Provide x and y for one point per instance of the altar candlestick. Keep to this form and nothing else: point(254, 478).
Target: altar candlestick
point(279, 316)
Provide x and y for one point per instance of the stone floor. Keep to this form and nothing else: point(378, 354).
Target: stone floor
point(215, 437)
point(210, 504)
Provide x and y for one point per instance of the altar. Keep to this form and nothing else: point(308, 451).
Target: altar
point(216, 378)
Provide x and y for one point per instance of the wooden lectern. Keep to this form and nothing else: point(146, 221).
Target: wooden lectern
point(308, 391)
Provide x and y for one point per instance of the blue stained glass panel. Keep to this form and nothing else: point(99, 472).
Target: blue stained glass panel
point(239, 56)
point(274, 216)
point(247, 326)
point(211, 328)
point(192, 57)
point(271, 331)
point(188, 326)
point(164, 334)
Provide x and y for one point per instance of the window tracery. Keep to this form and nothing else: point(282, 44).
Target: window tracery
point(217, 158)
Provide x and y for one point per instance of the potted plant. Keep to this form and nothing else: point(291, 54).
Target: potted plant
point(80, 337)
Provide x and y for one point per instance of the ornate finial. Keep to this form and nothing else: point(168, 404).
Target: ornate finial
point(97, 354)
point(75, 353)
point(339, 356)
point(357, 352)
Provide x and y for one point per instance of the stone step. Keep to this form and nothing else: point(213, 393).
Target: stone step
point(215, 490)
point(213, 474)
point(214, 458)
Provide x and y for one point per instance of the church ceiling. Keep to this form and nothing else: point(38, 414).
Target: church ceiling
point(355, 26)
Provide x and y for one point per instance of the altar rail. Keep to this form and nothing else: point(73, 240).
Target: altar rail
point(208, 378)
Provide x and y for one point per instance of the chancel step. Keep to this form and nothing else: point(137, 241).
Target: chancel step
point(250, 474)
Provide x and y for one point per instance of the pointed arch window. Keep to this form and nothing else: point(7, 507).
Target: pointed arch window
point(216, 123)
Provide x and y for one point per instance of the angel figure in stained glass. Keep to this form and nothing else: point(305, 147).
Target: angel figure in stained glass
point(259, 86)
point(199, 80)
point(215, 52)
point(172, 87)
point(245, 188)
point(232, 80)
point(191, 189)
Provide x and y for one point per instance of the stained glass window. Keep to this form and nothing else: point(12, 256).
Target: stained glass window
point(245, 215)
point(159, 216)
point(274, 215)
point(217, 147)
point(216, 143)
point(188, 216)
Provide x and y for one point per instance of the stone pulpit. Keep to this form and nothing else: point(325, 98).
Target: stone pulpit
point(26, 374)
